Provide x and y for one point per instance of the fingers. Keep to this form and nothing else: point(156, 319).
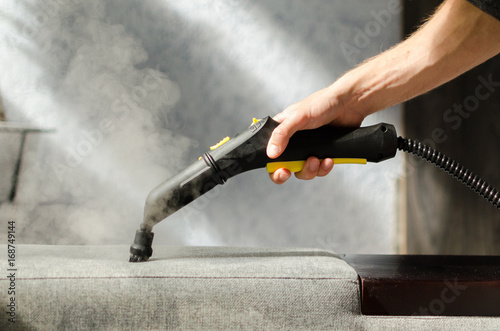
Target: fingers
point(280, 117)
point(314, 168)
point(280, 176)
point(325, 167)
point(282, 133)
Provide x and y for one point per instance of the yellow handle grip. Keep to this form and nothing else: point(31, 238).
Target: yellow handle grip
point(296, 166)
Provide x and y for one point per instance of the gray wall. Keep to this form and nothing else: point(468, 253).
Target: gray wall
point(460, 119)
point(137, 90)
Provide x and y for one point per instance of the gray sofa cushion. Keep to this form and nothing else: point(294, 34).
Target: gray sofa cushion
point(95, 287)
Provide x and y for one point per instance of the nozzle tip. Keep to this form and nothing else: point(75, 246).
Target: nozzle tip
point(137, 258)
point(141, 250)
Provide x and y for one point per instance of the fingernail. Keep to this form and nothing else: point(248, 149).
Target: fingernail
point(324, 165)
point(273, 151)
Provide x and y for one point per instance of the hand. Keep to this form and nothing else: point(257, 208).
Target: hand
point(458, 37)
point(320, 108)
point(312, 168)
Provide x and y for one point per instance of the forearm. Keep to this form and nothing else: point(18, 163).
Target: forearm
point(457, 38)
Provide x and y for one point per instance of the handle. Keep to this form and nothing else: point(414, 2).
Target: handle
point(247, 151)
point(296, 166)
point(345, 145)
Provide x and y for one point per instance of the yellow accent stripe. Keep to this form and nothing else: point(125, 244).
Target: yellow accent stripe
point(222, 142)
point(296, 166)
point(349, 161)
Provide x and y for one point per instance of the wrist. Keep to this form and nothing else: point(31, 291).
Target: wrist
point(350, 97)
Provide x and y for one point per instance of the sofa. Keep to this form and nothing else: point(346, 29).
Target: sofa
point(194, 288)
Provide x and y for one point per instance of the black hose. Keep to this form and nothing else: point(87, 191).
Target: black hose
point(452, 167)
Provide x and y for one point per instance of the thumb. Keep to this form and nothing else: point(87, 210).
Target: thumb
point(280, 137)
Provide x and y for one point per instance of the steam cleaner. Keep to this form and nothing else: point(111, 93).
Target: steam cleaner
point(247, 151)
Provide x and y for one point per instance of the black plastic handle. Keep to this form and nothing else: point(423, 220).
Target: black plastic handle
point(374, 143)
point(247, 151)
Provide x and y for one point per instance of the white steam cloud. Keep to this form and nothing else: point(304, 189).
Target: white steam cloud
point(87, 182)
point(137, 90)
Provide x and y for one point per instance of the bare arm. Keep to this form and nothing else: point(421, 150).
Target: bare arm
point(457, 38)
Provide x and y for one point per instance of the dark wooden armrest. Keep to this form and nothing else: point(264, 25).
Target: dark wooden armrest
point(447, 285)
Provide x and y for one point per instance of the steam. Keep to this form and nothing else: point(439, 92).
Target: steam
point(89, 180)
point(138, 90)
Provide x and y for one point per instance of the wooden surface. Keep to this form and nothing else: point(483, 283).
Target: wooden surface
point(444, 216)
point(423, 285)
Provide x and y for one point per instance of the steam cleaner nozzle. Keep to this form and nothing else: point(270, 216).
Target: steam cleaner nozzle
point(142, 248)
point(247, 151)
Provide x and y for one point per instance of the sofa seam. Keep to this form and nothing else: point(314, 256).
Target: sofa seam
point(185, 277)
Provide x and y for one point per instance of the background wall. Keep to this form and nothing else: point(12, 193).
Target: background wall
point(462, 120)
point(137, 90)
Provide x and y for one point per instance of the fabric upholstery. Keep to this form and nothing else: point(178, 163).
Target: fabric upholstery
point(96, 288)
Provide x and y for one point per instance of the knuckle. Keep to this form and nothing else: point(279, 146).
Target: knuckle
point(280, 132)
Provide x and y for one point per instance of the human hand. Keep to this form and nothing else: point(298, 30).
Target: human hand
point(321, 108)
point(313, 167)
